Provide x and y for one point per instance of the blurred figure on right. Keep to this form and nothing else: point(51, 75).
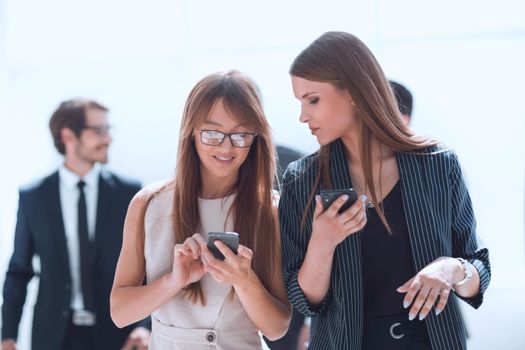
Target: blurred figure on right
point(404, 100)
point(285, 156)
point(296, 338)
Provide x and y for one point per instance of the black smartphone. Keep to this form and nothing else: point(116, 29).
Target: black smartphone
point(329, 196)
point(231, 239)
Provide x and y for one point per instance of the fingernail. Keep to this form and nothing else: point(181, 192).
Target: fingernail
point(345, 197)
point(411, 317)
point(363, 198)
point(398, 289)
point(421, 317)
point(438, 312)
point(317, 197)
point(406, 304)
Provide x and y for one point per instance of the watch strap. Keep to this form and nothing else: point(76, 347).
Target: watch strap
point(466, 270)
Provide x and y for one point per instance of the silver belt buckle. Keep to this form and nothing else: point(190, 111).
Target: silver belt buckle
point(392, 331)
point(83, 318)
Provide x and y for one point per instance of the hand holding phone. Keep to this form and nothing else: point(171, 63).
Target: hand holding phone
point(329, 196)
point(231, 239)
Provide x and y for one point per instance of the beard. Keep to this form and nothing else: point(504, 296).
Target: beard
point(94, 154)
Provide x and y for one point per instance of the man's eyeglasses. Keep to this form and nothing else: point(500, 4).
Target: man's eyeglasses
point(238, 139)
point(100, 130)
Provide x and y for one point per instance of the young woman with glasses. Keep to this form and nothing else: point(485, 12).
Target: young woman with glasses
point(387, 272)
point(223, 182)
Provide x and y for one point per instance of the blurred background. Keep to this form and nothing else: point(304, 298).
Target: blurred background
point(462, 60)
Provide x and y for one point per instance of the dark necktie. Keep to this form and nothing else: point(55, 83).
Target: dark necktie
point(86, 273)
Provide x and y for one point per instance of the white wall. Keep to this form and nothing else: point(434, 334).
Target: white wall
point(462, 60)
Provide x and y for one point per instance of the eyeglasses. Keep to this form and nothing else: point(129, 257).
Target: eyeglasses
point(216, 138)
point(100, 130)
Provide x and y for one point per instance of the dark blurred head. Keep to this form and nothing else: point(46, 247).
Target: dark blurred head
point(403, 97)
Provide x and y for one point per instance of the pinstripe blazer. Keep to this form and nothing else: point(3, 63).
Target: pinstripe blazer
point(440, 222)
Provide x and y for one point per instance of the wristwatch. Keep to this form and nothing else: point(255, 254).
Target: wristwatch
point(467, 270)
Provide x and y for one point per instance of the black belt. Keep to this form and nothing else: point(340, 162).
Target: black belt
point(391, 330)
point(399, 329)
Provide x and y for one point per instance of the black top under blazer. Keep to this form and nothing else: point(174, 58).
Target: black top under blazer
point(440, 222)
point(40, 231)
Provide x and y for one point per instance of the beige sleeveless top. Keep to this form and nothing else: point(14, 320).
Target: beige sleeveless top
point(222, 324)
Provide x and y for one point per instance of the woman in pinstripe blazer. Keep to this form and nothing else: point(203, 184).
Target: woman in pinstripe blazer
point(387, 272)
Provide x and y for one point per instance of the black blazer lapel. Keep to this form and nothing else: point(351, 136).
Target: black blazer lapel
point(55, 219)
point(348, 250)
point(418, 208)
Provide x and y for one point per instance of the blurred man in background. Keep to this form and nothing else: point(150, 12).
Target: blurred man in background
point(72, 220)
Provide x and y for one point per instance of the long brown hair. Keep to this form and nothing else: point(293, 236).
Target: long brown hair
point(346, 62)
point(252, 208)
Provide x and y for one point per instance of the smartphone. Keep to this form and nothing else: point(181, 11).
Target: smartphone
point(231, 239)
point(329, 196)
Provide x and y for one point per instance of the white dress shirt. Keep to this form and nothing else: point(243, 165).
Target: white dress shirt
point(69, 195)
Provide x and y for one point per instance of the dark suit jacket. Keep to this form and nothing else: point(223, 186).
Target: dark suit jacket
point(285, 156)
point(40, 231)
point(440, 222)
